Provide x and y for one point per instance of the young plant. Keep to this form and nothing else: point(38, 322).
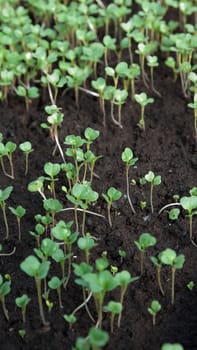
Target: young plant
point(19, 212)
point(146, 240)
point(114, 308)
point(122, 255)
point(154, 308)
point(120, 96)
point(52, 169)
point(28, 93)
point(10, 148)
point(152, 62)
point(193, 105)
point(158, 264)
point(22, 303)
point(100, 85)
point(190, 205)
point(38, 270)
point(154, 180)
point(123, 279)
point(26, 148)
point(52, 207)
point(169, 257)
point(143, 101)
point(129, 160)
point(112, 195)
point(97, 338)
point(86, 243)
point(56, 283)
point(5, 288)
point(4, 195)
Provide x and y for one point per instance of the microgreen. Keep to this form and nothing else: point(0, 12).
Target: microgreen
point(97, 338)
point(169, 257)
point(86, 243)
point(37, 186)
point(56, 283)
point(39, 230)
point(19, 212)
point(122, 254)
point(143, 101)
point(158, 264)
point(174, 213)
point(22, 303)
point(5, 288)
point(112, 195)
point(100, 85)
point(10, 148)
point(26, 148)
point(28, 93)
point(52, 206)
point(172, 346)
point(154, 308)
point(146, 240)
point(190, 204)
point(52, 169)
point(193, 105)
point(38, 270)
point(154, 180)
point(152, 62)
point(129, 160)
point(4, 195)
point(114, 308)
point(123, 279)
point(191, 285)
point(120, 96)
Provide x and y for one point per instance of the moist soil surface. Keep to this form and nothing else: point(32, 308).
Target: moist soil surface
point(168, 148)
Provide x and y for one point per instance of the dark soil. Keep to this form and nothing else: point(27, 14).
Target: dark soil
point(168, 148)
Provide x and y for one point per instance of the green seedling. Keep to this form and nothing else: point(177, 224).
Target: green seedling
point(174, 214)
point(133, 73)
point(5, 288)
point(143, 101)
point(190, 205)
point(97, 338)
point(112, 195)
point(54, 119)
point(144, 50)
point(55, 81)
point(37, 186)
point(26, 148)
point(122, 255)
point(38, 270)
point(113, 269)
point(191, 285)
point(114, 308)
point(74, 150)
point(39, 231)
point(100, 85)
point(22, 303)
point(86, 243)
point(154, 180)
point(4, 195)
point(71, 319)
point(143, 205)
point(128, 28)
point(62, 232)
point(154, 308)
point(172, 346)
point(10, 148)
point(19, 212)
point(22, 333)
point(109, 44)
point(152, 62)
point(56, 283)
point(146, 240)
point(119, 99)
point(129, 160)
point(52, 169)
point(158, 264)
point(28, 93)
point(123, 279)
point(169, 257)
point(76, 77)
point(52, 206)
point(82, 195)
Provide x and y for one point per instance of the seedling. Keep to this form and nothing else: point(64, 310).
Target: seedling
point(22, 303)
point(158, 264)
point(191, 285)
point(52, 206)
point(112, 195)
point(146, 240)
point(71, 319)
point(190, 204)
point(37, 186)
point(52, 169)
point(169, 257)
point(39, 230)
point(172, 346)
point(143, 101)
point(86, 243)
point(174, 214)
point(152, 62)
point(34, 268)
point(122, 255)
point(56, 283)
point(114, 308)
point(5, 288)
point(193, 105)
point(129, 160)
point(26, 148)
point(10, 148)
point(154, 308)
point(154, 180)
point(4, 195)
point(97, 338)
point(22, 333)
point(100, 85)
point(19, 212)
point(28, 93)
point(55, 120)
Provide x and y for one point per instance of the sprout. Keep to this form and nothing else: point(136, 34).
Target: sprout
point(19, 212)
point(112, 195)
point(143, 101)
point(26, 148)
point(146, 240)
point(22, 303)
point(154, 180)
point(154, 308)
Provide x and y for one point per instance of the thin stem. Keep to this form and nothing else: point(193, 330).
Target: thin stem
point(154, 319)
point(159, 280)
point(8, 254)
point(172, 286)
point(167, 206)
point(112, 322)
point(5, 219)
point(5, 311)
point(58, 145)
point(141, 262)
point(69, 268)
point(128, 194)
point(26, 162)
point(11, 165)
point(83, 222)
point(122, 294)
point(83, 304)
point(109, 214)
point(87, 211)
point(151, 197)
point(59, 297)
point(19, 227)
point(39, 295)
